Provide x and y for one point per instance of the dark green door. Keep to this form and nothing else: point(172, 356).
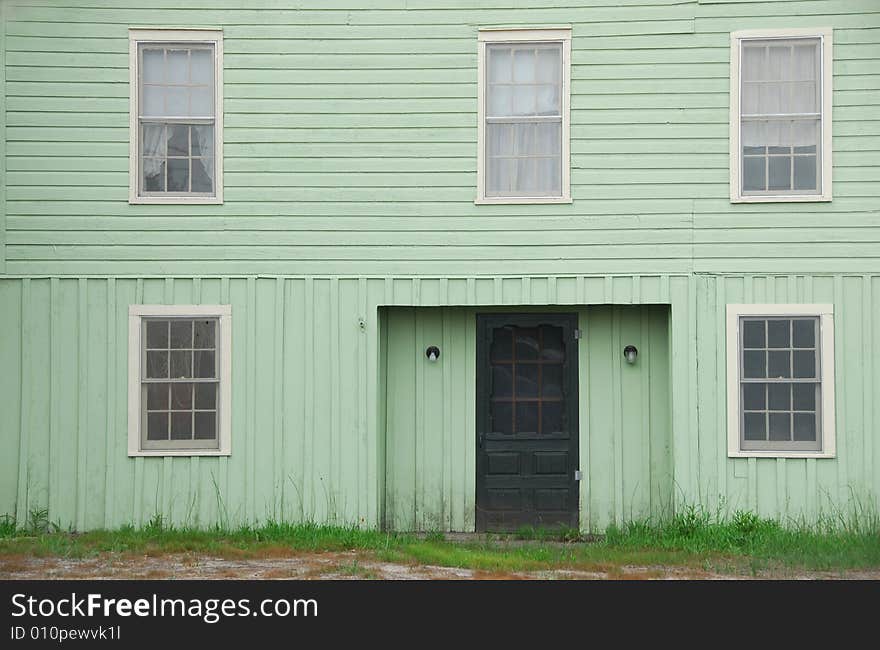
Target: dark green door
point(527, 421)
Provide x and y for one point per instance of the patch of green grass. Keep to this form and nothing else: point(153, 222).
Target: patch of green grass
point(831, 543)
point(694, 538)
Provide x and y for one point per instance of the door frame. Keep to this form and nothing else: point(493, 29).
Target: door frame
point(568, 320)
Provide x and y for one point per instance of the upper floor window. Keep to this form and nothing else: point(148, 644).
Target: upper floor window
point(524, 106)
point(176, 148)
point(781, 115)
point(780, 373)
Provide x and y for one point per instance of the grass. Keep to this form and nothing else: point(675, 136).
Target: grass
point(693, 538)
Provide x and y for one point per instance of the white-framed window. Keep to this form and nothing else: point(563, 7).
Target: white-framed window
point(176, 116)
point(780, 380)
point(179, 380)
point(780, 115)
point(524, 107)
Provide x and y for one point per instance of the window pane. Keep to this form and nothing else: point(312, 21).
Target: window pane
point(157, 397)
point(154, 175)
point(527, 380)
point(181, 333)
point(203, 364)
point(526, 343)
point(779, 62)
point(181, 364)
point(153, 101)
point(154, 63)
point(202, 66)
point(754, 397)
point(778, 333)
point(548, 100)
point(548, 139)
point(804, 397)
point(804, 333)
point(524, 100)
point(157, 334)
point(548, 65)
point(502, 381)
point(551, 381)
point(502, 344)
point(500, 101)
point(201, 178)
point(553, 346)
point(178, 66)
point(551, 418)
point(803, 98)
point(202, 102)
point(499, 64)
point(779, 364)
point(769, 98)
point(157, 365)
point(527, 417)
point(780, 426)
point(753, 334)
point(157, 426)
point(805, 173)
point(178, 140)
point(805, 364)
point(754, 364)
point(181, 426)
point(176, 101)
point(203, 333)
point(500, 139)
point(502, 417)
point(754, 426)
point(206, 396)
point(779, 173)
point(178, 175)
point(754, 179)
point(206, 428)
point(524, 66)
point(779, 397)
point(753, 68)
point(806, 61)
point(804, 426)
point(181, 396)
point(203, 140)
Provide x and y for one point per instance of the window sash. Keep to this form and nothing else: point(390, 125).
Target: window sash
point(817, 381)
point(555, 182)
point(180, 444)
point(743, 118)
point(213, 168)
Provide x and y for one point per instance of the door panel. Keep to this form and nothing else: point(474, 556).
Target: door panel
point(527, 424)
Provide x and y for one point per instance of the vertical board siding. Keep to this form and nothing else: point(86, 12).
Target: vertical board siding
point(316, 388)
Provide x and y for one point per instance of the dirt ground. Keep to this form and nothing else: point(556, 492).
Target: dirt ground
point(338, 566)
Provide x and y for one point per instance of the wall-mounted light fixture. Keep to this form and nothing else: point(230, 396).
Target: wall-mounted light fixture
point(630, 352)
point(433, 353)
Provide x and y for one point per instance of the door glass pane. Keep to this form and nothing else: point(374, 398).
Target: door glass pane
point(527, 417)
point(502, 381)
point(527, 380)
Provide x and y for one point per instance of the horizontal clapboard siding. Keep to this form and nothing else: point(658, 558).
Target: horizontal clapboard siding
point(350, 143)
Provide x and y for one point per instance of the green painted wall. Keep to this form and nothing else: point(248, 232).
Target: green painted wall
point(350, 141)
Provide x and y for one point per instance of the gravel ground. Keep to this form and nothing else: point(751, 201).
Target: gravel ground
point(328, 566)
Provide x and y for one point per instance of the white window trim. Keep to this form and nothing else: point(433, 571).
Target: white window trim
point(136, 313)
point(519, 35)
point(825, 313)
point(186, 35)
point(825, 36)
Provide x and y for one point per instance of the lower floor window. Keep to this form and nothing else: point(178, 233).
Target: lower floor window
point(780, 376)
point(179, 379)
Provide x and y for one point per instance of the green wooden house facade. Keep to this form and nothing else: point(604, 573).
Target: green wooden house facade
point(438, 264)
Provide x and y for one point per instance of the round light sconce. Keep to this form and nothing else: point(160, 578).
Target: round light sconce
point(630, 352)
point(433, 353)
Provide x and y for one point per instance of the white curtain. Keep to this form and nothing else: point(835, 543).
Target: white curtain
point(153, 148)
